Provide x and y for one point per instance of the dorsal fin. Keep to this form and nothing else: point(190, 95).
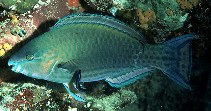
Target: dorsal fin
point(101, 20)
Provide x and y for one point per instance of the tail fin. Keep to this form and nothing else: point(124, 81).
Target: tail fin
point(179, 49)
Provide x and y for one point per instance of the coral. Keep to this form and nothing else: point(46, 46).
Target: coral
point(28, 96)
point(169, 17)
point(22, 101)
point(14, 19)
point(19, 5)
point(162, 16)
point(18, 31)
point(49, 10)
point(2, 52)
point(21, 97)
point(3, 48)
point(75, 6)
point(187, 4)
point(145, 17)
point(122, 4)
point(7, 46)
point(101, 5)
point(73, 3)
point(111, 6)
point(15, 27)
point(112, 102)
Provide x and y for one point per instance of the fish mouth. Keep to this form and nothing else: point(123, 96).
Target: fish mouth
point(15, 67)
point(11, 64)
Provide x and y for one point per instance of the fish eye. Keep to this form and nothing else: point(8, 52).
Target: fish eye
point(30, 57)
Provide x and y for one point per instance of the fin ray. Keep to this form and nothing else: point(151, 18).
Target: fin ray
point(128, 78)
point(75, 96)
point(180, 67)
point(101, 20)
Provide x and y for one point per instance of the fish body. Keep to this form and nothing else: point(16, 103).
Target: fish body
point(100, 48)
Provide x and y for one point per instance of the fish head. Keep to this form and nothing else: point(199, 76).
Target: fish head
point(32, 61)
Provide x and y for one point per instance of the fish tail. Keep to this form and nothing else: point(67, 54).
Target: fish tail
point(178, 64)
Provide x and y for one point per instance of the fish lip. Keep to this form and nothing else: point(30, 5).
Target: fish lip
point(12, 65)
point(15, 67)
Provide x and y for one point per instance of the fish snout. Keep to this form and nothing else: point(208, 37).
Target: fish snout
point(11, 65)
point(14, 67)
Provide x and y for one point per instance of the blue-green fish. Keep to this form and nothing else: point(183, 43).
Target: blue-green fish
point(86, 47)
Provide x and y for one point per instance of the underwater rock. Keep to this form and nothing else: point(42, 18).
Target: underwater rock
point(145, 17)
point(113, 102)
point(49, 11)
point(188, 4)
point(167, 15)
point(6, 74)
point(29, 96)
point(18, 31)
point(20, 6)
point(4, 47)
point(21, 96)
point(167, 12)
point(16, 27)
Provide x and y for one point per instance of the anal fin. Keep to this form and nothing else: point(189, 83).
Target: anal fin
point(128, 78)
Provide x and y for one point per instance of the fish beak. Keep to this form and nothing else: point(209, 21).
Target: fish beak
point(15, 67)
point(11, 65)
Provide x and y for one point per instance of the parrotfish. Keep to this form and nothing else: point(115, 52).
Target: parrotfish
point(83, 48)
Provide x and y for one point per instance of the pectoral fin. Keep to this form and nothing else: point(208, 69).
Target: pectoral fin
point(75, 96)
point(74, 87)
point(76, 81)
